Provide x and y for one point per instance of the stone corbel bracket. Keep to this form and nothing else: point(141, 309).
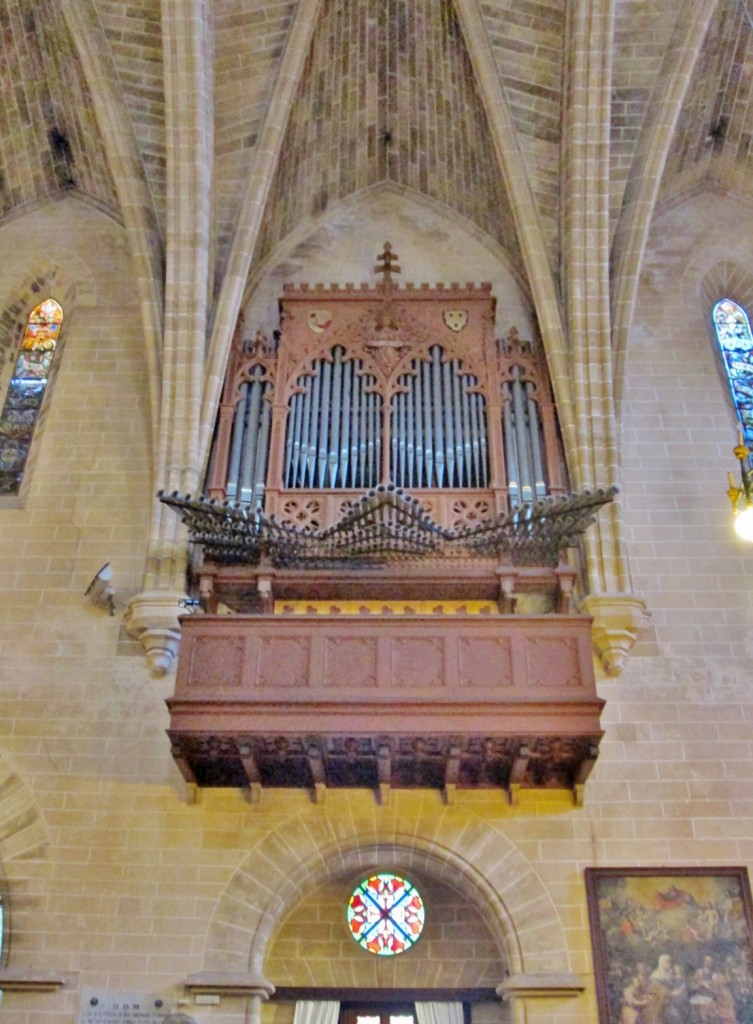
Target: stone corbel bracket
point(541, 986)
point(617, 620)
point(152, 618)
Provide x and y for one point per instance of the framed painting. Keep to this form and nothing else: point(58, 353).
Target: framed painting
point(672, 946)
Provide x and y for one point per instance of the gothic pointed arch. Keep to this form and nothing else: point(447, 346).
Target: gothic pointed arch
point(29, 363)
point(476, 103)
point(726, 293)
point(30, 380)
point(129, 181)
point(646, 173)
point(344, 136)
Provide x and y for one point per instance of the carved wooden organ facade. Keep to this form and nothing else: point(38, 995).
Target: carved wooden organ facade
point(378, 386)
point(399, 617)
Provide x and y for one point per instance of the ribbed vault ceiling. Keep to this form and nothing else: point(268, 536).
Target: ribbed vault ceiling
point(50, 139)
point(713, 138)
point(388, 93)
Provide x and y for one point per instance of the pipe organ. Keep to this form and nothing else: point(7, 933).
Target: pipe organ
point(386, 523)
point(386, 385)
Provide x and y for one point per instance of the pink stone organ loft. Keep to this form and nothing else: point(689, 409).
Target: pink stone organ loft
point(384, 629)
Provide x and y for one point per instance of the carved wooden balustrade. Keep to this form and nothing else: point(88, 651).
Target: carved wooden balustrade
point(380, 701)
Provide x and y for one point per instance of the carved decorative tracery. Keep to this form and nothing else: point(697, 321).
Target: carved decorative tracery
point(386, 385)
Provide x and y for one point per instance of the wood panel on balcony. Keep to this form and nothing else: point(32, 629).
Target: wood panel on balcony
point(443, 701)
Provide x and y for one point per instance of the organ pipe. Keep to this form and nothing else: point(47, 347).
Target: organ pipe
point(410, 447)
point(262, 453)
point(293, 441)
point(237, 445)
point(395, 434)
point(475, 437)
point(482, 477)
point(522, 439)
point(428, 433)
point(312, 428)
point(435, 426)
point(433, 435)
point(345, 438)
point(534, 428)
point(363, 435)
point(304, 434)
point(250, 441)
point(323, 423)
point(335, 454)
point(248, 459)
point(355, 428)
point(511, 454)
point(523, 448)
point(467, 439)
point(334, 423)
point(449, 459)
point(415, 389)
point(436, 387)
point(402, 430)
point(457, 409)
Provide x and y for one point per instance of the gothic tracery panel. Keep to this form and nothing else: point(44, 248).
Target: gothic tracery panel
point(386, 386)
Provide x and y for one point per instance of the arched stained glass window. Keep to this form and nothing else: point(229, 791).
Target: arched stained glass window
point(733, 333)
point(26, 391)
point(386, 914)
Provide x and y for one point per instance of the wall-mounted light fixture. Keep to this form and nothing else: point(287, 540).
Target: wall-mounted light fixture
point(741, 497)
point(100, 591)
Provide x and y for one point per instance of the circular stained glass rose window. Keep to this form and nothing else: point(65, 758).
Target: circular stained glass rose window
point(386, 914)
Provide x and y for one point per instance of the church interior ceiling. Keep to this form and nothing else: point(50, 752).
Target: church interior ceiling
point(387, 93)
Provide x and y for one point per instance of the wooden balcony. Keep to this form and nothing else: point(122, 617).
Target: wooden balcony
point(378, 701)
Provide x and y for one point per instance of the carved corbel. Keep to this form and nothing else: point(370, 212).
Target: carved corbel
point(152, 619)
point(384, 767)
point(617, 620)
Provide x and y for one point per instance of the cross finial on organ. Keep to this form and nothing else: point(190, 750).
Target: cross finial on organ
point(387, 264)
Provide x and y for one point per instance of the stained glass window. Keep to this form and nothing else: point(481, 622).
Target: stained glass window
point(386, 914)
point(733, 332)
point(26, 391)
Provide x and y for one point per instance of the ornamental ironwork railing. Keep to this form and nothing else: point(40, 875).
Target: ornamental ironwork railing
point(386, 524)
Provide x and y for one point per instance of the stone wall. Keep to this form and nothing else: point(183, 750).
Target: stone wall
point(119, 882)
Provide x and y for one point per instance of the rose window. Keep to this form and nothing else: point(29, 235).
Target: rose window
point(386, 914)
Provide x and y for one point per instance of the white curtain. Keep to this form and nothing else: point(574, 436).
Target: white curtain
point(439, 1013)
point(317, 1011)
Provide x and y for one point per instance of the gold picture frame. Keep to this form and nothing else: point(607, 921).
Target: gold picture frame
point(672, 946)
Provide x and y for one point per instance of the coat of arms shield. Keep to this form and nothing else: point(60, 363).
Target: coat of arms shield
point(455, 319)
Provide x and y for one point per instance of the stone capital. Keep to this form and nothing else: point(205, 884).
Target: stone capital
point(541, 986)
point(230, 983)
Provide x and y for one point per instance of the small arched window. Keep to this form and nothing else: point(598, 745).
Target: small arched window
point(732, 329)
point(26, 390)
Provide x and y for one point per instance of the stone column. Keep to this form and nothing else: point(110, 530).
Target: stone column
point(152, 616)
point(585, 259)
